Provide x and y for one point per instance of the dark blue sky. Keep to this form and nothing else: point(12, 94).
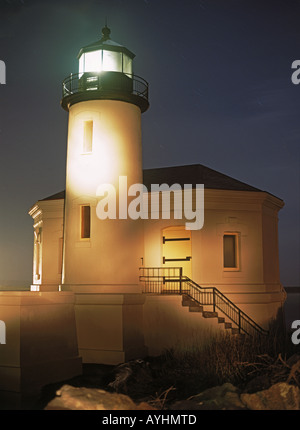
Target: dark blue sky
point(220, 92)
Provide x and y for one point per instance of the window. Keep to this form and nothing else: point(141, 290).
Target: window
point(112, 61)
point(87, 137)
point(127, 65)
point(81, 66)
point(60, 255)
point(85, 222)
point(37, 253)
point(103, 61)
point(230, 251)
point(92, 61)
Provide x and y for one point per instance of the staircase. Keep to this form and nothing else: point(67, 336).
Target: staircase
point(196, 307)
point(209, 302)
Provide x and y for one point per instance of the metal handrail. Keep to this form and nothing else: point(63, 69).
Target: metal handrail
point(158, 276)
point(81, 82)
point(228, 308)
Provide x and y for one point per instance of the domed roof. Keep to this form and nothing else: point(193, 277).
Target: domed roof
point(107, 44)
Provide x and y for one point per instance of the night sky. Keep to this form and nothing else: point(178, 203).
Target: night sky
point(220, 95)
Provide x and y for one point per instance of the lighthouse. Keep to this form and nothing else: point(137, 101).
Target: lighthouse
point(105, 101)
point(90, 252)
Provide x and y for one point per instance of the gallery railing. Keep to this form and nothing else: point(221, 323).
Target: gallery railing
point(105, 81)
point(170, 280)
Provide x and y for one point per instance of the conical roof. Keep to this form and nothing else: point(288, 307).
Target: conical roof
point(107, 44)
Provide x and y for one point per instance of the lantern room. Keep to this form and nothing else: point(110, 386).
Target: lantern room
point(105, 73)
point(105, 56)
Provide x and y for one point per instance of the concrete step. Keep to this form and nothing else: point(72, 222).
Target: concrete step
point(195, 308)
point(209, 314)
point(228, 325)
point(186, 301)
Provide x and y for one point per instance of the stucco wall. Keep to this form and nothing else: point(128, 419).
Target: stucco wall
point(168, 324)
point(41, 340)
point(113, 253)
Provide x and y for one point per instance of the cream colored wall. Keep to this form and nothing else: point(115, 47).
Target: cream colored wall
point(168, 325)
point(113, 253)
point(110, 327)
point(41, 342)
point(208, 247)
point(255, 287)
point(238, 212)
point(270, 245)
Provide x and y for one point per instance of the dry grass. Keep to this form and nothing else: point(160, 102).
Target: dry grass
point(227, 359)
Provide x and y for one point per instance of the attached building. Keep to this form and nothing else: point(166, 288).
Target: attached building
point(235, 252)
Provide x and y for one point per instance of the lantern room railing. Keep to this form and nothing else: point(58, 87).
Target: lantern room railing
point(111, 85)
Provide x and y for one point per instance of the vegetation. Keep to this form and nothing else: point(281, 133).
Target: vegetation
point(251, 364)
point(239, 360)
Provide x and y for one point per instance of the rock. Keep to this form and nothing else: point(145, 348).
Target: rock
point(134, 372)
point(74, 398)
point(224, 397)
point(133, 378)
point(259, 383)
point(280, 396)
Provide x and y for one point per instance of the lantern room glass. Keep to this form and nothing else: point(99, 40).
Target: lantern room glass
point(104, 61)
point(127, 64)
point(92, 61)
point(112, 61)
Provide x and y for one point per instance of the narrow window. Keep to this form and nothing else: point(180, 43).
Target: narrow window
point(37, 253)
point(88, 137)
point(85, 222)
point(230, 251)
point(60, 255)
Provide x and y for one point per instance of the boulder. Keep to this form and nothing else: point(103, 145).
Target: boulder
point(81, 398)
point(258, 383)
point(224, 397)
point(131, 377)
point(280, 396)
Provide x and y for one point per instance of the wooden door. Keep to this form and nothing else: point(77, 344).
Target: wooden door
point(177, 249)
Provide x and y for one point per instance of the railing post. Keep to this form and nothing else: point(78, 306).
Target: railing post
point(239, 321)
point(214, 300)
point(180, 280)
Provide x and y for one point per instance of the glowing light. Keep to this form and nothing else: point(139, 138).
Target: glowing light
point(127, 64)
point(92, 61)
point(106, 61)
point(81, 65)
point(112, 61)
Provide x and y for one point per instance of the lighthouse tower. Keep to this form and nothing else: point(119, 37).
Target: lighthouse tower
point(105, 101)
